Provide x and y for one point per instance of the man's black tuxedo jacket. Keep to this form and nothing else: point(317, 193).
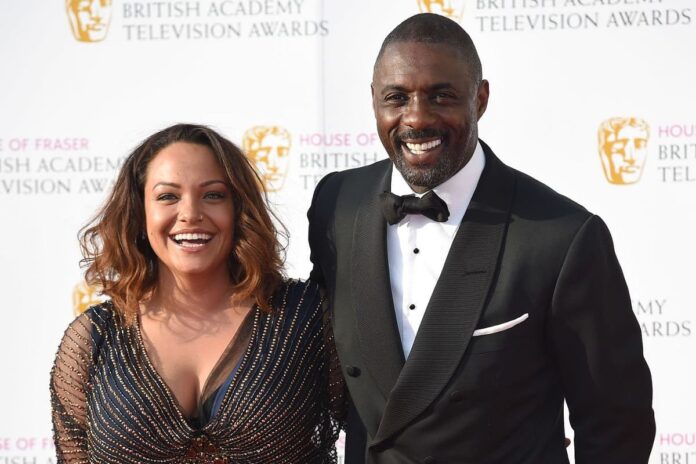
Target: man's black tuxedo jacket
point(521, 249)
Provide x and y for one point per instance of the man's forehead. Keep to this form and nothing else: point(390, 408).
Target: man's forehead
point(433, 62)
point(410, 50)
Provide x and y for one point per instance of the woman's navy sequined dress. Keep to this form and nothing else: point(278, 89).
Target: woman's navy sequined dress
point(270, 399)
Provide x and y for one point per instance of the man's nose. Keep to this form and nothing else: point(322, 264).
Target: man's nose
point(418, 114)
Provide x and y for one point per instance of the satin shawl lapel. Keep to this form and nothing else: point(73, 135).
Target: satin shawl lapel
point(371, 290)
point(456, 302)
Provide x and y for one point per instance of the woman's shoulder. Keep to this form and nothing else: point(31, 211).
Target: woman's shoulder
point(298, 317)
point(297, 292)
point(101, 314)
point(96, 320)
point(302, 298)
point(86, 333)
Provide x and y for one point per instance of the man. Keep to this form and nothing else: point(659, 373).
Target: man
point(464, 319)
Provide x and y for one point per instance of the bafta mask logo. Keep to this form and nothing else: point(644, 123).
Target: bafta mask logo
point(85, 296)
point(89, 19)
point(623, 148)
point(453, 9)
point(269, 148)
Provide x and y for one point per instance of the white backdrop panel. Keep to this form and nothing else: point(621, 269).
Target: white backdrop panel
point(71, 109)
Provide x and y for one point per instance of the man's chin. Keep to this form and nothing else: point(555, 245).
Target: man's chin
point(426, 176)
point(422, 177)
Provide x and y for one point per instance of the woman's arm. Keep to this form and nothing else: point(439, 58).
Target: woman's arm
point(69, 385)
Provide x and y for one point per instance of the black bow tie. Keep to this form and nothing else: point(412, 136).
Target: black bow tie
point(395, 207)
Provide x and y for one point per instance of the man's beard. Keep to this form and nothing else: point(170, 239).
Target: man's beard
point(427, 177)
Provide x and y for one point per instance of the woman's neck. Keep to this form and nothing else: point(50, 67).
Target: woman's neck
point(192, 295)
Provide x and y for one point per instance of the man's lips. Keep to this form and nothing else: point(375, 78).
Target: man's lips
point(421, 148)
point(418, 142)
point(422, 153)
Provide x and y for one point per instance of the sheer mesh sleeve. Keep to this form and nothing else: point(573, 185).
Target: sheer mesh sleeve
point(336, 396)
point(337, 390)
point(69, 385)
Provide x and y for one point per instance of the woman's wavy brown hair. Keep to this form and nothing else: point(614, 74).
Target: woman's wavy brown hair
point(118, 257)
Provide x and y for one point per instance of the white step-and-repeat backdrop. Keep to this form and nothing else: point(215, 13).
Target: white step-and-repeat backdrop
point(597, 98)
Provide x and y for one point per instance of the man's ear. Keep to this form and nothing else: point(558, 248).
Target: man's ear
point(372, 94)
point(482, 98)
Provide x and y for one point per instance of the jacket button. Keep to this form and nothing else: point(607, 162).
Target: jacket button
point(456, 396)
point(353, 371)
point(429, 460)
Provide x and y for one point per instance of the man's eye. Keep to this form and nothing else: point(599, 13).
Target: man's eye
point(395, 98)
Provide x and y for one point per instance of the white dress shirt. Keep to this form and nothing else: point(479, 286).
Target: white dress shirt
point(417, 246)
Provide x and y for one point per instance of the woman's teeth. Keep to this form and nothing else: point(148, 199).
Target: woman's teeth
point(192, 240)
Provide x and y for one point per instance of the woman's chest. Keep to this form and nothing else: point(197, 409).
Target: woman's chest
point(271, 401)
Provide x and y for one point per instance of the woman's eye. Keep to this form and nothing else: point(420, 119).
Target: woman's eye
point(214, 195)
point(166, 197)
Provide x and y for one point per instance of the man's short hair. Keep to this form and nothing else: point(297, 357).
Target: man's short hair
point(435, 29)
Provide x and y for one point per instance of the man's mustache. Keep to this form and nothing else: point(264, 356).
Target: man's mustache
point(412, 134)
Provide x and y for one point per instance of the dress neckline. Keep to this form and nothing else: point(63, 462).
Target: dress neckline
point(176, 405)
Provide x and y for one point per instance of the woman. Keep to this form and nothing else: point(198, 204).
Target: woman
point(204, 353)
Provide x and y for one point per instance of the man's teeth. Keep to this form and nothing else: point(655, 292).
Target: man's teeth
point(420, 148)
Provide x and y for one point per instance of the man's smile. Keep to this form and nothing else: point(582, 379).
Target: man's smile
point(420, 148)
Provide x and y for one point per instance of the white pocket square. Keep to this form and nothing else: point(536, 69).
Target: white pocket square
point(500, 327)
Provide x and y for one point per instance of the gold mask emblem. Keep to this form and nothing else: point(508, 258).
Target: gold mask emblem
point(623, 148)
point(85, 296)
point(453, 9)
point(89, 19)
point(269, 148)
